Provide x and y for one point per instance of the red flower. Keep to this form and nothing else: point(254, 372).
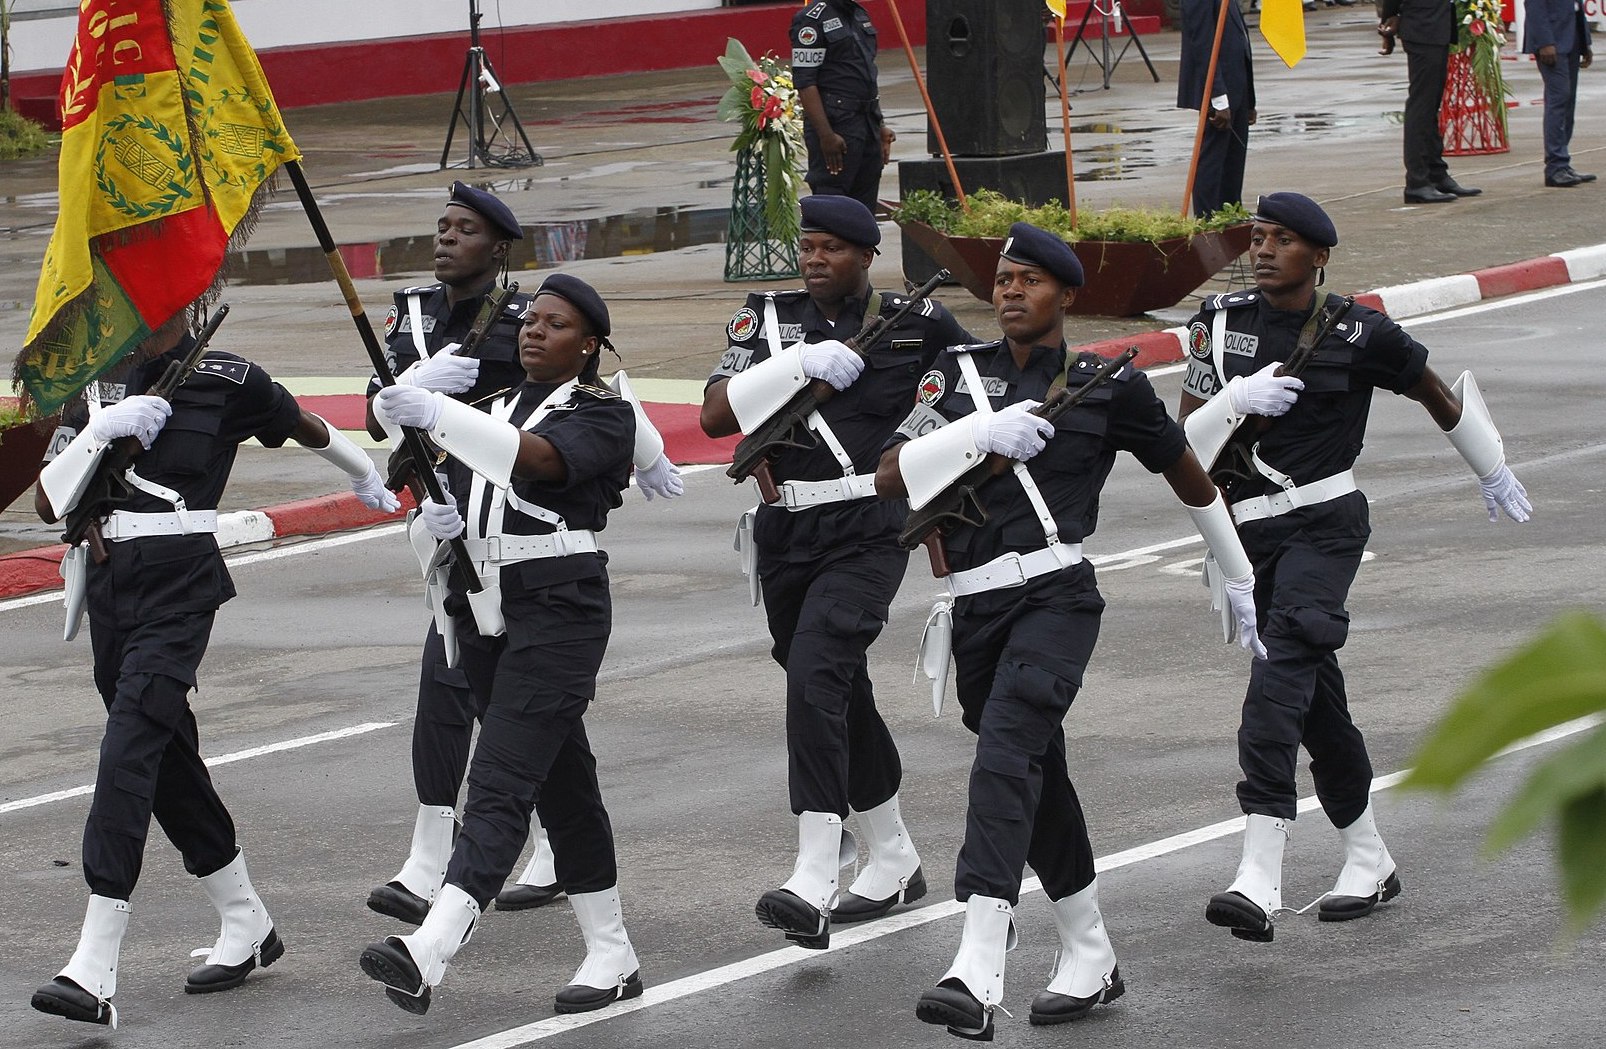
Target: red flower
point(772, 109)
point(1476, 28)
point(757, 76)
point(756, 100)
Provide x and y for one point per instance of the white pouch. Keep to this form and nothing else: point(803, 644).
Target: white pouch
point(747, 552)
point(936, 650)
point(75, 580)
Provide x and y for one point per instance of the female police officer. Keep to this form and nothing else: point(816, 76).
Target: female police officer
point(1027, 613)
point(536, 475)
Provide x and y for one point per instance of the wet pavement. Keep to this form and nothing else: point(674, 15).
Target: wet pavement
point(637, 176)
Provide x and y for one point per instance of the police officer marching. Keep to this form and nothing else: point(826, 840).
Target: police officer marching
point(825, 553)
point(1025, 611)
point(1305, 524)
point(833, 68)
point(151, 604)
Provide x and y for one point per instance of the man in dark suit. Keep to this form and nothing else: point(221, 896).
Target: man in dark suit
point(1556, 33)
point(1427, 29)
point(1219, 180)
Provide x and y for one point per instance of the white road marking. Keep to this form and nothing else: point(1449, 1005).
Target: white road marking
point(222, 759)
point(871, 931)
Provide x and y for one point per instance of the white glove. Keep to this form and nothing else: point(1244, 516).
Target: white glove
point(443, 372)
point(441, 520)
point(1502, 491)
point(1265, 392)
point(142, 416)
point(1012, 431)
point(409, 406)
point(1241, 596)
point(661, 478)
point(373, 494)
point(831, 361)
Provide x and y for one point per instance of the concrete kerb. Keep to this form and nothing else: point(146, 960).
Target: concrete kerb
point(31, 571)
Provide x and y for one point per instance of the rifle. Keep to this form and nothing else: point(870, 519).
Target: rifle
point(788, 427)
point(401, 471)
point(108, 488)
point(960, 502)
point(1236, 460)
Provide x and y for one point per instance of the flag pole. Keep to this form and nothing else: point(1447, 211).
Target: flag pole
point(1065, 116)
point(413, 440)
point(1204, 105)
point(931, 111)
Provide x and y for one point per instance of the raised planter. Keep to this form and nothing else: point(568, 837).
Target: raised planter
point(1124, 278)
point(21, 448)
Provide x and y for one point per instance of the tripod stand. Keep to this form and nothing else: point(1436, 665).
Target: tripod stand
point(491, 126)
point(1105, 63)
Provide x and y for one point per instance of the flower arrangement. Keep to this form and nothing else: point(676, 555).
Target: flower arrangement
point(991, 214)
point(1481, 35)
point(763, 99)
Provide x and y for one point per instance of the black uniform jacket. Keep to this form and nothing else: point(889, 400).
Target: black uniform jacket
point(862, 416)
point(443, 323)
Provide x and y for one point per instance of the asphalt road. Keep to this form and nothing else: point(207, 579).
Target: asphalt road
point(323, 640)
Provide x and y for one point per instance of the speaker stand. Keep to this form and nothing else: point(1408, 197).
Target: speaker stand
point(496, 139)
point(1103, 60)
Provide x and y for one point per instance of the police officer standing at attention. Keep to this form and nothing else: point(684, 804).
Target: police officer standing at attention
point(827, 556)
point(535, 475)
point(1026, 610)
point(833, 68)
point(151, 604)
point(426, 324)
point(1305, 525)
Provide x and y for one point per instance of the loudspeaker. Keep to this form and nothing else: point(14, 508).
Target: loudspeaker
point(1033, 178)
point(984, 63)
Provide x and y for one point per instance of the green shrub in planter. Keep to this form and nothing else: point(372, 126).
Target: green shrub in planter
point(991, 214)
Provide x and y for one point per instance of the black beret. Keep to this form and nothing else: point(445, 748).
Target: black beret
point(492, 210)
point(842, 216)
point(582, 297)
point(1038, 247)
point(1300, 214)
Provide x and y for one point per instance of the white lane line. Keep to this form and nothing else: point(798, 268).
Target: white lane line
point(222, 759)
point(742, 970)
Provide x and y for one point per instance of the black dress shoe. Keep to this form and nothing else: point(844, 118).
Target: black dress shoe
point(1427, 195)
point(950, 1004)
point(785, 910)
point(1563, 179)
point(208, 978)
point(851, 907)
point(527, 897)
point(61, 997)
point(397, 901)
point(1580, 176)
point(1234, 911)
point(582, 998)
point(390, 964)
point(1455, 189)
point(1052, 1008)
point(1348, 908)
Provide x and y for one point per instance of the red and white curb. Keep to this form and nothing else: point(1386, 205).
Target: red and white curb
point(35, 570)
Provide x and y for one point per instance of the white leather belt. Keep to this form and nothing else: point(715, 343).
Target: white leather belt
point(800, 495)
point(1278, 503)
point(508, 549)
point(125, 524)
point(1013, 569)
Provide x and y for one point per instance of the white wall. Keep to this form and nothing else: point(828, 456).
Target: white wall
point(39, 44)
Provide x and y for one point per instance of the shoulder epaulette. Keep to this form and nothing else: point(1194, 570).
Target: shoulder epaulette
point(786, 293)
point(973, 347)
point(1229, 300)
point(1088, 362)
point(816, 11)
point(421, 289)
point(601, 393)
point(224, 366)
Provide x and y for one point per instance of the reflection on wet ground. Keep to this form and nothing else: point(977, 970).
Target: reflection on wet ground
point(545, 244)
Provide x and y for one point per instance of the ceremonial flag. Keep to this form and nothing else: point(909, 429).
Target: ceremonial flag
point(169, 131)
point(1282, 23)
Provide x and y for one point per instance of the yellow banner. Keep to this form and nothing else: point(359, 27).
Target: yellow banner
point(1282, 23)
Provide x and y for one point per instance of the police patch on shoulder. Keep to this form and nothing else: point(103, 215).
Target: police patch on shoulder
point(743, 326)
point(234, 371)
point(807, 35)
point(390, 321)
point(932, 386)
point(1199, 340)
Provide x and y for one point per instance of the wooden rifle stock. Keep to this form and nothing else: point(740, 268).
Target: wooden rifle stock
point(788, 427)
point(401, 471)
point(108, 488)
point(1236, 459)
point(960, 502)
